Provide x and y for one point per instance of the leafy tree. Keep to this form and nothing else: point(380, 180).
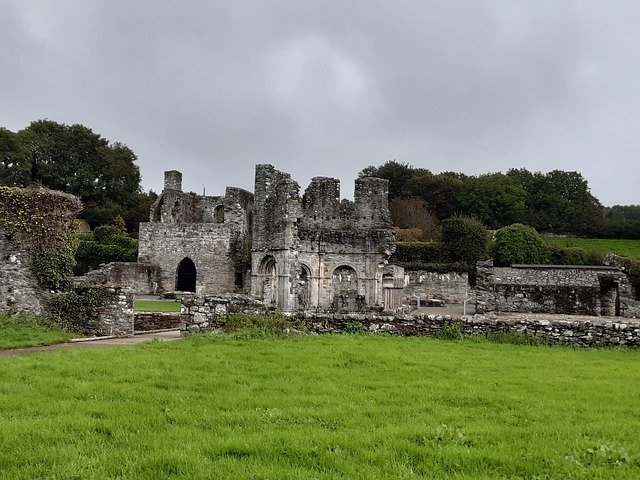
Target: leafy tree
point(623, 213)
point(74, 159)
point(494, 199)
point(518, 243)
point(559, 201)
point(466, 238)
point(441, 191)
point(413, 213)
point(397, 173)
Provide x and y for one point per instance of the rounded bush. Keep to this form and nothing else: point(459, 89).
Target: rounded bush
point(518, 243)
point(466, 239)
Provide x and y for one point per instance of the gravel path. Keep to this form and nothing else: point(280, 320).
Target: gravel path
point(98, 343)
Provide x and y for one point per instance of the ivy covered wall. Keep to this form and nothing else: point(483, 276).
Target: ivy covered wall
point(36, 246)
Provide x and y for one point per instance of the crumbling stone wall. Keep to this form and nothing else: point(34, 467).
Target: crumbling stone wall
point(19, 289)
point(142, 278)
point(577, 290)
point(209, 231)
point(36, 246)
point(205, 313)
point(308, 252)
point(448, 288)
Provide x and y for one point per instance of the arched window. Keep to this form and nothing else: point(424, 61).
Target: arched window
point(218, 214)
point(344, 279)
point(186, 276)
point(304, 287)
point(269, 273)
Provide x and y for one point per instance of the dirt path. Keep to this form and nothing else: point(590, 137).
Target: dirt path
point(106, 343)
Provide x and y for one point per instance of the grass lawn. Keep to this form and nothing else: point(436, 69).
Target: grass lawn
point(328, 407)
point(25, 331)
point(156, 306)
point(628, 248)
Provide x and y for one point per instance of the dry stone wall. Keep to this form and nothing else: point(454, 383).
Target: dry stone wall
point(143, 279)
point(577, 290)
point(448, 288)
point(209, 312)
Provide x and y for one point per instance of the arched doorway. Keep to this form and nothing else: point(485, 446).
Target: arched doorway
point(186, 276)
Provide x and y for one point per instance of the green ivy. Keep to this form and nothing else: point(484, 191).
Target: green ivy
point(39, 221)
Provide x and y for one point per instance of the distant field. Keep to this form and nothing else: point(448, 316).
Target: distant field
point(156, 306)
point(629, 248)
point(328, 407)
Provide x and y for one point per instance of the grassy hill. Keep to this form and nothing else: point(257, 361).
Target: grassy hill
point(628, 248)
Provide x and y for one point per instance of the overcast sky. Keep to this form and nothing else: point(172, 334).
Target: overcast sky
point(326, 88)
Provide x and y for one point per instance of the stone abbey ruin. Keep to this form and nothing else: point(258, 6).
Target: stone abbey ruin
point(290, 251)
point(309, 254)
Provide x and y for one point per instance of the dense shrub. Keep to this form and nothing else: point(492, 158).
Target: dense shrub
point(107, 243)
point(518, 243)
point(423, 252)
point(465, 238)
point(559, 255)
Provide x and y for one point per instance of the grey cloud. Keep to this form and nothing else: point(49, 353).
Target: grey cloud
point(327, 88)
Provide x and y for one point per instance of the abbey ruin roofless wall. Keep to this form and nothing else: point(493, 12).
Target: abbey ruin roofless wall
point(309, 252)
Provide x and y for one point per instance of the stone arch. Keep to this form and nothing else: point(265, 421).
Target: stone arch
point(344, 287)
point(218, 214)
point(186, 275)
point(304, 286)
point(269, 274)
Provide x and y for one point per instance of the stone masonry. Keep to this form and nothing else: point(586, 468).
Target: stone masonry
point(191, 238)
point(311, 252)
point(560, 289)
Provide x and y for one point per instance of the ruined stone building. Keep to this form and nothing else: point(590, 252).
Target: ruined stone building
point(304, 251)
point(193, 238)
point(313, 252)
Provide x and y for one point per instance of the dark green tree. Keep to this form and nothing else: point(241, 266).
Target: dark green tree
point(74, 159)
point(397, 173)
point(466, 239)
point(494, 199)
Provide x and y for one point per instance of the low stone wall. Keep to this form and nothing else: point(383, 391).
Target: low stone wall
point(579, 331)
point(202, 313)
point(142, 277)
point(95, 310)
point(207, 313)
point(450, 288)
point(558, 289)
point(145, 321)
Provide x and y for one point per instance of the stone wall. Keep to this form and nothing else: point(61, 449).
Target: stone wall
point(146, 321)
point(143, 279)
point(577, 290)
point(209, 312)
point(199, 237)
point(96, 310)
point(19, 291)
point(449, 288)
point(313, 252)
point(207, 245)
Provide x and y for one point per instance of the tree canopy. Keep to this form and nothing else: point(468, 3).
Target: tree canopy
point(556, 201)
point(74, 159)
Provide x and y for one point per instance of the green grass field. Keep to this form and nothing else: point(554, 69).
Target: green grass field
point(350, 406)
point(156, 306)
point(25, 331)
point(628, 248)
